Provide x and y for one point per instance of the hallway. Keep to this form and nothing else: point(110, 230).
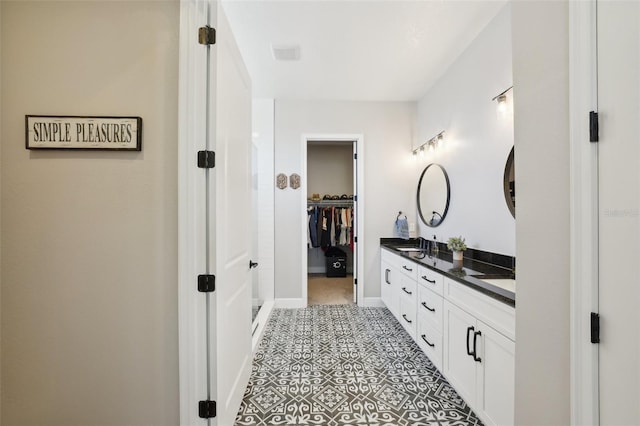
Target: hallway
point(342, 365)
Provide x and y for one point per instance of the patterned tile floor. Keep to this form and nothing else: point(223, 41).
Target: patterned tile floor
point(344, 365)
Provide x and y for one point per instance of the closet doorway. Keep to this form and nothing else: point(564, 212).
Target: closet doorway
point(332, 219)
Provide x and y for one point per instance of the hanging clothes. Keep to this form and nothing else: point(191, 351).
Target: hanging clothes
point(325, 239)
point(312, 212)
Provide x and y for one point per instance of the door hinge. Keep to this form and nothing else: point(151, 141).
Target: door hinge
point(355, 156)
point(206, 283)
point(206, 35)
point(206, 409)
point(595, 327)
point(355, 239)
point(206, 159)
point(594, 127)
point(355, 198)
point(355, 281)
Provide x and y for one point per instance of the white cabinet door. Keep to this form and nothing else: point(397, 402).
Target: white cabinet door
point(389, 283)
point(459, 364)
point(496, 383)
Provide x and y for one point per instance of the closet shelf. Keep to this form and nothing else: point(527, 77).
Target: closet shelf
point(331, 203)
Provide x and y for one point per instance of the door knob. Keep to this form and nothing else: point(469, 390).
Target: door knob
point(252, 264)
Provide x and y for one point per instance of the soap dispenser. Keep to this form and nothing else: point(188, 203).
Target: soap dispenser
point(434, 247)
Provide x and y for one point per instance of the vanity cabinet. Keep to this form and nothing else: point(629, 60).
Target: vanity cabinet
point(479, 361)
point(467, 335)
point(399, 289)
point(389, 284)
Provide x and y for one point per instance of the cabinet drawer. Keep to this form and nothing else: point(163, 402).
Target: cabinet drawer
point(404, 265)
point(407, 315)
point(430, 341)
point(430, 279)
point(494, 313)
point(408, 288)
point(430, 307)
point(409, 268)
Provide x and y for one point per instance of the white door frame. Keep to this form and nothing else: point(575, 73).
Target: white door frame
point(584, 212)
point(192, 309)
point(358, 139)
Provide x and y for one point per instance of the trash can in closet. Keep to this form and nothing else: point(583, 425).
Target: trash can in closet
point(336, 262)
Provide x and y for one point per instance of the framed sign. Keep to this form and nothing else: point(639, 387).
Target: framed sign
point(78, 132)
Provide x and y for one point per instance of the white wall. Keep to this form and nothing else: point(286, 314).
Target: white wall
point(477, 140)
point(263, 137)
point(330, 169)
point(541, 112)
point(89, 239)
point(388, 133)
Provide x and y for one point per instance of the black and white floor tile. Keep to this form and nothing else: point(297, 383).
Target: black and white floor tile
point(344, 365)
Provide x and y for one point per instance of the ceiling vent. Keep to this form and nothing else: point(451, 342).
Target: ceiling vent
point(282, 52)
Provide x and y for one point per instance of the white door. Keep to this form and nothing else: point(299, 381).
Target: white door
point(459, 364)
point(229, 192)
point(256, 297)
point(355, 223)
point(496, 381)
point(619, 233)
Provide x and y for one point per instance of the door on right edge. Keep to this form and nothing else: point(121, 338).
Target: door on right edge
point(619, 188)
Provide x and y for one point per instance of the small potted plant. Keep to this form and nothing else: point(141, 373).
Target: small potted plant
point(457, 246)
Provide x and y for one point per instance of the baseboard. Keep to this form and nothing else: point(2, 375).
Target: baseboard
point(290, 303)
point(323, 270)
point(260, 323)
point(373, 302)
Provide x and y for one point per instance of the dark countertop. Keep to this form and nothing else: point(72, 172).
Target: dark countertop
point(443, 264)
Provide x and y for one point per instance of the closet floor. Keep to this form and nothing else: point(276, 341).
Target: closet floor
point(322, 290)
point(336, 365)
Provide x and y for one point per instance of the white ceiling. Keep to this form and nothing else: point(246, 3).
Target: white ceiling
point(389, 50)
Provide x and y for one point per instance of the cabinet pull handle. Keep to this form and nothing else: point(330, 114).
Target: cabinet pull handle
point(469, 330)
point(405, 318)
point(428, 308)
point(475, 348)
point(406, 291)
point(424, 277)
point(428, 343)
point(406, 269)
point(386, 275)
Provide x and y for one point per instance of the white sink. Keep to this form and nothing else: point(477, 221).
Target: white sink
point(409, 249)
point(505, 283)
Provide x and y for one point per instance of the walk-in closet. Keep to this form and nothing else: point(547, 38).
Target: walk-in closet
point(331, 222)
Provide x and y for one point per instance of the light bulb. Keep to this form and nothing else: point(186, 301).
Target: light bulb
point(422, 151)
point(502, 104)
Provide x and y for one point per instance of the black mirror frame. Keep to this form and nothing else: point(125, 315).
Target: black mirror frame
point(446, 208)
point(507, 190)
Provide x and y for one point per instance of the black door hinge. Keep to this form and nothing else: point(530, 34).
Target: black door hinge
point(355, 198)
point(206, 283)
point(595, 327)
point(594, 127)
point(206, 409)
point(206, 159)
point(355, 156)
point(355, 281)
point(355, 239)
point(206, 35)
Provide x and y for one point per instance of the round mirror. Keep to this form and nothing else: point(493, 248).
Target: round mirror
point(510, 184)
point(433, 195)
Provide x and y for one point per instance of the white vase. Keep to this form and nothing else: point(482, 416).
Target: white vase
point(457, 255)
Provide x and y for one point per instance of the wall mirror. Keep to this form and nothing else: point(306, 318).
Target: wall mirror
point(510, 184)
point(433, 195)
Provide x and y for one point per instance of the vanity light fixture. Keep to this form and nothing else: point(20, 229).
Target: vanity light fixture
point(431, 144)
point(502, 101)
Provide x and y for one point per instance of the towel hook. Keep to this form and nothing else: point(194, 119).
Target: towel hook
point(400, 214)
